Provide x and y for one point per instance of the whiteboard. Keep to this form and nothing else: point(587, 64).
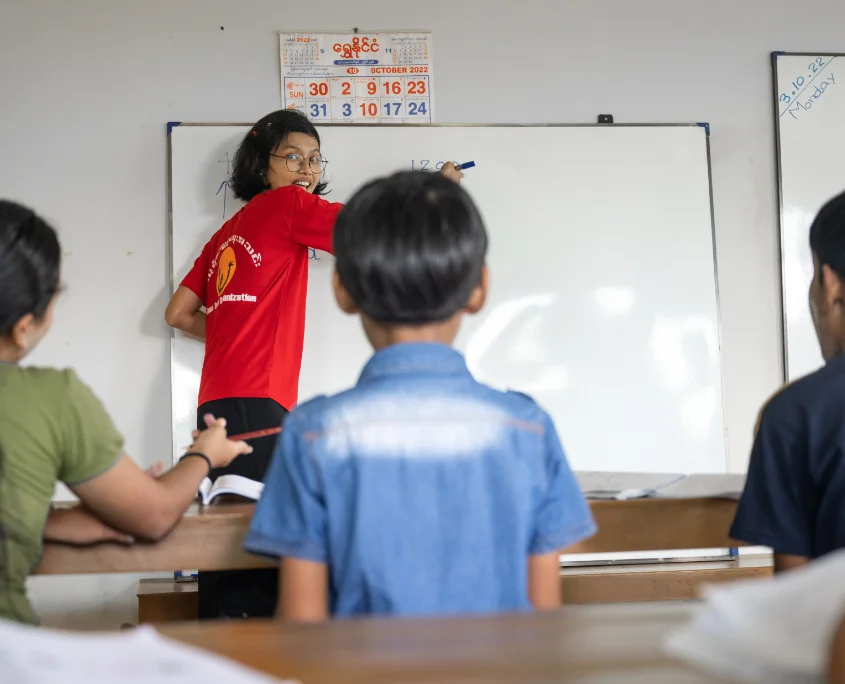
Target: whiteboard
point(809, 115)
point(603, 303)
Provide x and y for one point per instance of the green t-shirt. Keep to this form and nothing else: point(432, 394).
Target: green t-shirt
point(52, 427)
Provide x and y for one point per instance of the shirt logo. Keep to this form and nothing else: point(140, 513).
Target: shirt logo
point(226, 270)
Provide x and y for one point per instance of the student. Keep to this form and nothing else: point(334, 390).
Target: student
point(794, 498)
point(52, 427)
point(420, 490)
point(252, 279)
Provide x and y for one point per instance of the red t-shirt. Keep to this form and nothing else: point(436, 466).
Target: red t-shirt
point(252, 278)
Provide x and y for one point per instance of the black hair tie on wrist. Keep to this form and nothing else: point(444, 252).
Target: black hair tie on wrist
point(197, 454)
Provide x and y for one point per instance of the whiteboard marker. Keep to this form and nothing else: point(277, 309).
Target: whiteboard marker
point(467, 165)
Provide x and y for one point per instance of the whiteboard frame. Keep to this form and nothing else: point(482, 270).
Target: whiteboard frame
point(705, 126)
point(779, 178)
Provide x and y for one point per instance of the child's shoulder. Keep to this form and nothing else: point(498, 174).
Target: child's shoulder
point(519, 405)
point(316, 411)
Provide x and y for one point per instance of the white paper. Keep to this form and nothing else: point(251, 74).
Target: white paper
point(365, 77)
point(768, 631)
point(35, 655)
point(601, 485)
point(705, 486)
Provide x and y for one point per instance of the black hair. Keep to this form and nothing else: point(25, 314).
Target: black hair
point(29, 264)
point(252, 157)
point(410, 248)
point(827, 235)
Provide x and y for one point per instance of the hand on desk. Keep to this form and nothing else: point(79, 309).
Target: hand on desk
point(79, 527)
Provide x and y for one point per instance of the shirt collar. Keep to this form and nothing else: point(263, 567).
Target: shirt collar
point(412, 358)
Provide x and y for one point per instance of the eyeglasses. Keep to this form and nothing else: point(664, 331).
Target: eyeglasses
point(295, 163)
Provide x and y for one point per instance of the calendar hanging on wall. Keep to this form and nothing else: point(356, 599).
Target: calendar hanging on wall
point(376, 77)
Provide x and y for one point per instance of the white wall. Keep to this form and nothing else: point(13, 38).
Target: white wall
point(88, 85)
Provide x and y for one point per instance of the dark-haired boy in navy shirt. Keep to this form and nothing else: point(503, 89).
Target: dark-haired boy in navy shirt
point(794, 498)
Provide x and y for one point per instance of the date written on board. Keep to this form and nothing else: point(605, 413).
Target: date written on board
point(811, 96)
point(800, 82)
point(807, 88)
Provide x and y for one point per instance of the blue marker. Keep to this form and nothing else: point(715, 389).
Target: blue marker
point(467, 165)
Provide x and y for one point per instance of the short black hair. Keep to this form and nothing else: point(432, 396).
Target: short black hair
point(410, 248)
point(827, 235)
point(29, 264)
point(252, 157)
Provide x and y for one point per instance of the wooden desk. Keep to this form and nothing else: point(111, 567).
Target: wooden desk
point(576, 644)
point(212, 538)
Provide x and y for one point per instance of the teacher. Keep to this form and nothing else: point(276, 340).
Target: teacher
point(252, 278)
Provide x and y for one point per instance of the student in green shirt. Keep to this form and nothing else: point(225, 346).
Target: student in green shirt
point(52, 427)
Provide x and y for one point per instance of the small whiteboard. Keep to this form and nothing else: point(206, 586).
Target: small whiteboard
point(810, 128)
point(603, 302)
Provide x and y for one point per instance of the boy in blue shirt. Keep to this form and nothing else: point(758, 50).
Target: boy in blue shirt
point(794, 498)
point(419, 491)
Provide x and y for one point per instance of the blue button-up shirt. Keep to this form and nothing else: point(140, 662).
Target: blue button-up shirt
point(422, 489)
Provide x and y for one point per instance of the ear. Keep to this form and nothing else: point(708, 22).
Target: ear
point(342, 297)
point(20, 332)
point(833, 292)
point(478, 298)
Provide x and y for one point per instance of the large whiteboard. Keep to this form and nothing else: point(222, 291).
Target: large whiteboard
point(603, 303)
point(810, 125)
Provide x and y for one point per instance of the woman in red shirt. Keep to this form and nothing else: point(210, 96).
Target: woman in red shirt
point(251, 278)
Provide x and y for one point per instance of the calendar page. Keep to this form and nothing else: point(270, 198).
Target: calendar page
point(358, 77)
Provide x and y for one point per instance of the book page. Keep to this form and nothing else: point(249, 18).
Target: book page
point(34, 655)
point(776, 630)
point(236, 484)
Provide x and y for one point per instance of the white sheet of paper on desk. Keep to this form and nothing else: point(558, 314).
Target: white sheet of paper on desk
point(601, 485)
point(32, 655)
point(768, 631)
point(705, 486)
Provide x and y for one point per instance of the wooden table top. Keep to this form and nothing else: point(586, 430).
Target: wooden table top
point(211, 537)
point(586, 644)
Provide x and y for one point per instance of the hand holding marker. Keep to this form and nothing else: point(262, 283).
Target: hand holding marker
point(465, 165)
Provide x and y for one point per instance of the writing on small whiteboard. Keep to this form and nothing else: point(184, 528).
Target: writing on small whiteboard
point(808, 88)
point(358, 77)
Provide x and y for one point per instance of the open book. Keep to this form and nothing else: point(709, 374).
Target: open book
point(229, 484)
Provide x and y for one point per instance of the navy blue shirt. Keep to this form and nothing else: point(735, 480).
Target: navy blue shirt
point(422, 489)
point(794, 498)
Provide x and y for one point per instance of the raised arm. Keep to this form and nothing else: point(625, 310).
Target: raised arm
point(312, 221)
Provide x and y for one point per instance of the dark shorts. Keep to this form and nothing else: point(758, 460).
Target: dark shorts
point(242, 593)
